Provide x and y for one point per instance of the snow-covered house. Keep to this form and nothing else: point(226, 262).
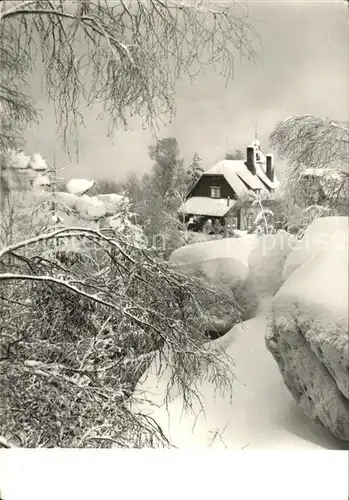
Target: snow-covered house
point(225, 193)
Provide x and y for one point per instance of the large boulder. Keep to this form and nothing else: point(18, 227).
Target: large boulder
point(221, 264)
point(308, 329)
point(260, 415)
point(267, 260)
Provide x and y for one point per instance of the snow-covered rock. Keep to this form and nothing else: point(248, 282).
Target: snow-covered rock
point(308, 329)
point(260, 415)
point(316, 237)
point(79, 186)
point(221, 264)
point(266, 262)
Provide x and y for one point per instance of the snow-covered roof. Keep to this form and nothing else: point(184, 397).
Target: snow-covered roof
point(240, 178)
point(200, 205)
point(264, 178)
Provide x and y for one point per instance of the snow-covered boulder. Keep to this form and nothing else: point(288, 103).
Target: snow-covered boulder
point(79, 186)
point(221, 264)
point(260, 415)
point(266, 262)
point(308, 330)
point(317, 237)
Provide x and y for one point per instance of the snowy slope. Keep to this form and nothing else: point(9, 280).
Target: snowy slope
point(261, 415)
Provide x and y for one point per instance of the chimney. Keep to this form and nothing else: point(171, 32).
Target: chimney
point(270, 167)
point(251, 159)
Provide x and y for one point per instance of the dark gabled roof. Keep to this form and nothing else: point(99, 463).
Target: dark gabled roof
point(240, 179)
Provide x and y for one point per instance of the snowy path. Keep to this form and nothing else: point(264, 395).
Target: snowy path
point(262, 414)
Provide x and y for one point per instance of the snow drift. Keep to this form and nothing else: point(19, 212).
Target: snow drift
point(261, 414)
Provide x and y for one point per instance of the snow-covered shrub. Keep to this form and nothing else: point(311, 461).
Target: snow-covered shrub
point(76, 336)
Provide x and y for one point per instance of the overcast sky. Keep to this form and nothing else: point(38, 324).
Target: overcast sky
point(302, 68)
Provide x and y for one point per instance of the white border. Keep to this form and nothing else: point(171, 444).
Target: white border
point(172, 475)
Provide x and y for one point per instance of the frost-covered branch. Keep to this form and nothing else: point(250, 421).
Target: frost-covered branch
point(317, 150)
point(123, 54)
point(101, 322)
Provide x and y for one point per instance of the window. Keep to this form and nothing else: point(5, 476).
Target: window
point(250, 218)
point(215, 192)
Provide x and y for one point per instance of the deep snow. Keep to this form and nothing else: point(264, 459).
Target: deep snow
point(262, 413)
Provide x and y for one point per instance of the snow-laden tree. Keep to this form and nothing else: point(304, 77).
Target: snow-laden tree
point(235, 155)
point(194, 171)
point(317, 151)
